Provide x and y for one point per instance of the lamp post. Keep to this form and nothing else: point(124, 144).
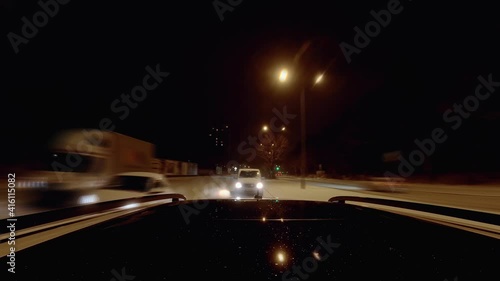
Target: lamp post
point(303, 164)
point(303, 155)
point(304, 83)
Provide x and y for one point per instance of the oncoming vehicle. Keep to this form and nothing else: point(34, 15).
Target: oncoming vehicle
point(249, 181)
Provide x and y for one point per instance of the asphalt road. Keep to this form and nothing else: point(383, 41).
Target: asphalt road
point(467, 197)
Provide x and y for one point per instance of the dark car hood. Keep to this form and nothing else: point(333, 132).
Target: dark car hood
point(235, 240)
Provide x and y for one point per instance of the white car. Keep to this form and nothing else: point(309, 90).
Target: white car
point(249, 181)
point(138, 181)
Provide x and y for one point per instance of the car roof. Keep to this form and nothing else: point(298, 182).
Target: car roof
point(298, 215)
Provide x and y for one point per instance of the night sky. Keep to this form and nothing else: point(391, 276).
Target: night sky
point(396, 89)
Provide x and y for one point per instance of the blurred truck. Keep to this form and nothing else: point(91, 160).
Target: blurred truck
point(82, 159)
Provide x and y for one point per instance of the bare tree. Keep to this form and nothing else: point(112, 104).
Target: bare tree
point(272, 151)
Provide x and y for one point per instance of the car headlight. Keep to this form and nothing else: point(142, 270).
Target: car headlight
point(260, 185)
point(238, 185)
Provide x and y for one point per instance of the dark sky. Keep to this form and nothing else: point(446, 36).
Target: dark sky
point(427, 58)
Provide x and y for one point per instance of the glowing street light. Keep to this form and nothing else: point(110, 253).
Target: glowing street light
point(264, 128)
point(283, 75)
point(318, 78)
point(283, 128)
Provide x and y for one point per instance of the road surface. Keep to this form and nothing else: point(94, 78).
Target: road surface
point(467, 197)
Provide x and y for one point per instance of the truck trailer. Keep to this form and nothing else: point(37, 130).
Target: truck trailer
point(82, 159)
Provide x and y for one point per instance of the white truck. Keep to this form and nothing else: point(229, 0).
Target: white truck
point(83, 159)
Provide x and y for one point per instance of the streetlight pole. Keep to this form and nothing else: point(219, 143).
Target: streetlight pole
point(303, 165)
point(304, 84)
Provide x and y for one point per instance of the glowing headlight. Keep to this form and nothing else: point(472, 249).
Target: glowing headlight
point(88, 199)
point(129, 206)
point(238, 185)
point(224, 193)
point(260, 185)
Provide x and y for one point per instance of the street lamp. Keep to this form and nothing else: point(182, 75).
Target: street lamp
point(283, 75)
point(318, 78)
point(265, 128)
point(303, 164)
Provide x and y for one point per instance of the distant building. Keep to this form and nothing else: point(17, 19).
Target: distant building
point(220, 143)
point(219, 136)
